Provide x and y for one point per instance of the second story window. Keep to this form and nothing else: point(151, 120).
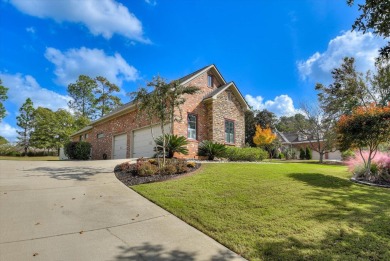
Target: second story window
point(209, 80)
point(191, 126)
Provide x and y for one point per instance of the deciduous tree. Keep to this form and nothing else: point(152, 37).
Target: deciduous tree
point(265, 138)
point(266, 119)
point(351, 89)
point(250, 128)
point(52, 129)
point(289, 124)
point(375, 17)
point(319, 127)
point(25, 121)
point(365, 128)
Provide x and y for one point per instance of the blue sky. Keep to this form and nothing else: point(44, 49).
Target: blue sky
point(275, 51)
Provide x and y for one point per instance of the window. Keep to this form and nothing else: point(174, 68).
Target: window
point(86, 136)
point(229, 131)
point(210, 81)
point(100, 135)
point(81, 138)
point(229, 96)
point(191, 126)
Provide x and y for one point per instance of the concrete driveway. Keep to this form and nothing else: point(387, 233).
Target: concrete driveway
point(52, 210)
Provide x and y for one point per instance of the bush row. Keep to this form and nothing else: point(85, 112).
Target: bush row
point(214, 149)
point(17, 151)
point(244, 154)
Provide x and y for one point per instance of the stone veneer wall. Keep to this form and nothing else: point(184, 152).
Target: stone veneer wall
point(223, 109)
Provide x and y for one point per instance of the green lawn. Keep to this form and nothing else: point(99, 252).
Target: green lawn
point(291, 211)
point(43, 158)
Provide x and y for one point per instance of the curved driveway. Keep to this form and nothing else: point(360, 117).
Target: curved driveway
point(69, 210)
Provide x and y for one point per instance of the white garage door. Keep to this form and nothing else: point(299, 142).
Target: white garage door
point(143, 144)
point(120, 146)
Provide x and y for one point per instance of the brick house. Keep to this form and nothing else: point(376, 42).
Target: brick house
point(297, 141)
point(216, 112)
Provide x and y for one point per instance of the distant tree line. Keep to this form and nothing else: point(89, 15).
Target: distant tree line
point(43, 128)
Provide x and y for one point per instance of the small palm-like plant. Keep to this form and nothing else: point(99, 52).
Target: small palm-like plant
point(211, 149)
point(173, 143)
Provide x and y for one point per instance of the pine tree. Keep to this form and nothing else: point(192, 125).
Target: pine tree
point(105, 101)
point(25, 121)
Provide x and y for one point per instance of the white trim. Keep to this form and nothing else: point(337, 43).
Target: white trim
point(237, 94)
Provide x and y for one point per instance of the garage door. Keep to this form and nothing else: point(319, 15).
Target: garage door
point(143, 144)
point(120, 146)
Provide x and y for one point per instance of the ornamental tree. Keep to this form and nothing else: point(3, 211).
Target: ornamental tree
point(366, 128)
point(264, 137)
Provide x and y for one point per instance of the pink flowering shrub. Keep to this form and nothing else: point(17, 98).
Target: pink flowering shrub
point(380, 167)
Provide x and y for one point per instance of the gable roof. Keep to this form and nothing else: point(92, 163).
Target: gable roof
point(195, 74)
point(214, 94)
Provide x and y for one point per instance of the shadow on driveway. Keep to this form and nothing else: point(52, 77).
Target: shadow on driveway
point(68, 173)
point(149, 251)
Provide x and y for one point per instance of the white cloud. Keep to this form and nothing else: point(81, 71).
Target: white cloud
point(31, 29)
point(151, 2)
point(92, 62)
point(363, 47)
point(102, 17)
point(22, 87)
point(8, 132)
point(282, 105)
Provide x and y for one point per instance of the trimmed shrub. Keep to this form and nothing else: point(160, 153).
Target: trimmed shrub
point(245, 154)
point(169, 169)
point(191, 164)
point(181, 166)
point(211, 149)
point(77, 150)
point(308, 154)
point(153, 161)
point(145, 168)
point(302, 154)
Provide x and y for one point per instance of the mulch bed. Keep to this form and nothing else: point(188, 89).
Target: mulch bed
point(130, 179)
point(364, 182)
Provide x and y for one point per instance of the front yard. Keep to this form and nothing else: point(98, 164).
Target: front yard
point(290, 211)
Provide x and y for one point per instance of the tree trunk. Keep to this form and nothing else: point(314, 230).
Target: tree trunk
point(321, 156)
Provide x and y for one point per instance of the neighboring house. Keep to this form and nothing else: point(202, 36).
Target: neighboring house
point(297, 140)
point(215, 113)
